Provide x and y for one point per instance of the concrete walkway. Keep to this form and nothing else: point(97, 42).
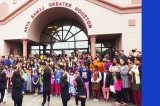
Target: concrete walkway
point(31, 100)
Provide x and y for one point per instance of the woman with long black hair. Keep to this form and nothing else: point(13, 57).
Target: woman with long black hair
point(46, 83)
point(17, 84)
point(3, 84)
point(81, 92)
point(64, 85)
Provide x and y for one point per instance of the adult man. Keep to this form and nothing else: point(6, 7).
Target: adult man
point(122, 54)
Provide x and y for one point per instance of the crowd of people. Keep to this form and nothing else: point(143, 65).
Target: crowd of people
point(79, 76)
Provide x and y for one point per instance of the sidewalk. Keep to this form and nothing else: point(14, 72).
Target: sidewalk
point(30, 100)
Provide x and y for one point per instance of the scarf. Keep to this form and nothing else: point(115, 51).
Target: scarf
point(95, 76)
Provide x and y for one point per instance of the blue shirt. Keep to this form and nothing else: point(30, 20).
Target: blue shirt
point(80, 68)
point(3, 62)
point(86, 75)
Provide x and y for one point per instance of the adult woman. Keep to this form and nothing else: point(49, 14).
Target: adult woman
point(46, 84)
point(125, 79)
point(136, 73)
point(3, 84)
point(17, 84)
point(115, 67)
point(64, 85)
point(81, 93)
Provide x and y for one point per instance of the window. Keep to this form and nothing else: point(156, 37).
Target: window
point(65, 35)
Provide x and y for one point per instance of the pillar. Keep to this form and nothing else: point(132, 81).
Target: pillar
point(93, 45)
point(44, 49)
point(24, 48)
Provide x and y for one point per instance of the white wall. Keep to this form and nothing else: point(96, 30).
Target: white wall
point(131, 35)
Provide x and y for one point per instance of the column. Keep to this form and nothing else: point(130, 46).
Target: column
point(93, 45)
point(44, 49)
point(25, 48)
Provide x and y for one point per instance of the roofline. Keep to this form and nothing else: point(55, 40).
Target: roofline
point(17, 11)
point(126, 9)
point(136, 8)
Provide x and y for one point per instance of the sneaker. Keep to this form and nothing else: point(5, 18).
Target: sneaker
point(115, 103)
point(104, 99)
point(56, 94)
point(4, 102)
point(118, 104)
point(60, 95)
point(94, 99)
point(107, 100)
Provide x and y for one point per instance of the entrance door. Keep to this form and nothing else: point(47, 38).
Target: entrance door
point(64, 36)
point(70, 51)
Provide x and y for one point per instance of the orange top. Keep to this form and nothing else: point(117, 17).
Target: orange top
point(99, 64)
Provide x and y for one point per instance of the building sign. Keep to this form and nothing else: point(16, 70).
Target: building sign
point(59, 4)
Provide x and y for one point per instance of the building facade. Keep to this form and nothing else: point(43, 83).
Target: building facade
point(63, 26)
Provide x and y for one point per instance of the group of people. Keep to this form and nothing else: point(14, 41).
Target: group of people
point(79, 76)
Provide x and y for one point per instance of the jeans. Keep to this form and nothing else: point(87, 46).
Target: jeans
point(125, 94)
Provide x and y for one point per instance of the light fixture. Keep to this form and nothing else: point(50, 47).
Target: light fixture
point(55, 27)
point(53, 31)
point(50, 27)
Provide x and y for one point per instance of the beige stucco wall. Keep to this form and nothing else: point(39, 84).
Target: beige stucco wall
point(103, 21)
point(131, 35)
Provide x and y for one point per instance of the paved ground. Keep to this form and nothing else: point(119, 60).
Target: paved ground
point(30, 100)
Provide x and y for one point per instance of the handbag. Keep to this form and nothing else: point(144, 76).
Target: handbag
point(112, 89)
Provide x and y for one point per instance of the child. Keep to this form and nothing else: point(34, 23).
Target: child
point(79, 66)
point(107, 81)
point(6, 91)
point(58, 74)
point(70, 69)
point(28, 85)
point(95, 79)
point(107, 63)
point(30, 69)
point(85, 74)
point(35, 81)
point(35, 69)
point(41, 78)
point(118, 88)
point(52, 85)
point(72, 90)
point(3, 83)
point(74, 66)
